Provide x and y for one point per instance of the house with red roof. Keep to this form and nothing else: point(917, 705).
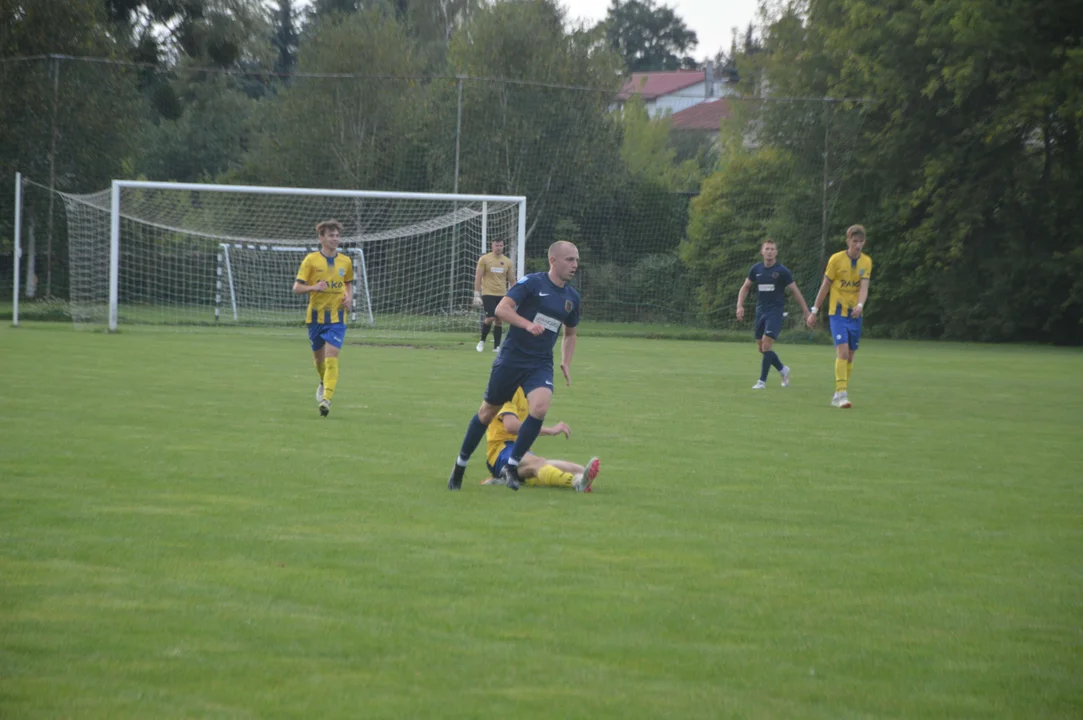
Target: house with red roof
point(674, 91)
point(705, 117)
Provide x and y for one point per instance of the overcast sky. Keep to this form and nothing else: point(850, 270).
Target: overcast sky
point(712, 20)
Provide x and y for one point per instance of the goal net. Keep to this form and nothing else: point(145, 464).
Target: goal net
point(182, 254)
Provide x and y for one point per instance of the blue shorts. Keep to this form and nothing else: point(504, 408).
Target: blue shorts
point(845, 330)
point(769, 324)
point(505, 379)
point(502, 458)
point(320, 334)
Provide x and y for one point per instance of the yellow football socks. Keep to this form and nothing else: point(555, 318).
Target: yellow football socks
point(330, 377)
point(319, 369)
point(842, 376)
point(849, 371)
point(549, 476)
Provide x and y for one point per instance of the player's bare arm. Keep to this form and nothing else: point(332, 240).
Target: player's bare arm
point(299, 288)
point(506, 311)
point(800, 299)
point(512, 423)
point(347, 297)
point(567, 350)
point(477, 285)
point(742, 295)
point(825, 286)
point(862, 296)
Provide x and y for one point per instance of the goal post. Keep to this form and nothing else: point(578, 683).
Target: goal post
point(17, 238)
point(209, 254)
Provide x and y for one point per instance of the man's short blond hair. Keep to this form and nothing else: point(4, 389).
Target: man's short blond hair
point(555, 247)
point(855, 230)
point(323, 227)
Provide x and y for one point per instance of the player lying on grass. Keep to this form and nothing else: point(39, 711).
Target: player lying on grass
point(537, 308)
point(534, 470)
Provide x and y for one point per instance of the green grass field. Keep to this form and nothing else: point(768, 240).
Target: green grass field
point(181, 535)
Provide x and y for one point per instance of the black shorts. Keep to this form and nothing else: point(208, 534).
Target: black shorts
point(489, 302)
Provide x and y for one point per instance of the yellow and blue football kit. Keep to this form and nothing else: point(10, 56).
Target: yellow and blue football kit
point(325, 306)
point(499, 440)
point(845, 274)
point(326, 316)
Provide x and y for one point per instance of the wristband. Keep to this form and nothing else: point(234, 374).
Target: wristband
point(860, 305)
point(813, 310)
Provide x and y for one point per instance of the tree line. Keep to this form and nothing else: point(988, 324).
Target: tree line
point(949, 128)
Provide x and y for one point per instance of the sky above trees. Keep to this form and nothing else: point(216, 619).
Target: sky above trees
point(712, 20)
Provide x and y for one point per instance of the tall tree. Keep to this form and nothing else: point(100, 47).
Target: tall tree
point(65, 122)
point(351, 131)
point(285, 37)
point(218, 32)
point(525, 134)
point(649, 36)
point(974, 151)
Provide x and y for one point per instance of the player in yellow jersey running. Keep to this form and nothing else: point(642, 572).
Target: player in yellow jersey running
point(847, 277)
point(495, 273)
point(534, 470)
point(327, 277)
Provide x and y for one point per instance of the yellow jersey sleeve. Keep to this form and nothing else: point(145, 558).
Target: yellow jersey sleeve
point(304, 273)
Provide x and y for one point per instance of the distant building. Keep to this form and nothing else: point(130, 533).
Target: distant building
point(705, 117)
point(675, 91)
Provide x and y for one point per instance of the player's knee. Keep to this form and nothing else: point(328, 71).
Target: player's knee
point(487, 412)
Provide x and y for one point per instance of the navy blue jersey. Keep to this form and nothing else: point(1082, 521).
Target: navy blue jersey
point(540, 301)
point(770, 283)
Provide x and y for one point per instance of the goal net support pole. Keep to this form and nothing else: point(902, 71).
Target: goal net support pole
point(18, 249)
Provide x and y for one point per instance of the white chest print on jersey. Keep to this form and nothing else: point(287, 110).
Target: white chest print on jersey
point(549, 323)
point(767, 287)
point(496, 269)
point(544, 294)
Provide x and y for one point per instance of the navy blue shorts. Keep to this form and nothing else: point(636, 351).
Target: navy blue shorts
point(502, 458)
point(505, 379)
point(320, 334)
point(845, 330)
point(769, 324)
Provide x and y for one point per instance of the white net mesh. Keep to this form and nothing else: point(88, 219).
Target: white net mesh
point(229, 257)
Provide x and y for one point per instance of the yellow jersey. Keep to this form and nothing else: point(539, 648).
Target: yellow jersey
point(326, 306)
point(846, 275)
point(497, 274)
point(497, 434)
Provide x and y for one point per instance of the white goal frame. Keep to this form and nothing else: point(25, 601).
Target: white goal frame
point(119, 185)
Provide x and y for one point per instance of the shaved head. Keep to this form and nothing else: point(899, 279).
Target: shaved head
point(560, 246)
